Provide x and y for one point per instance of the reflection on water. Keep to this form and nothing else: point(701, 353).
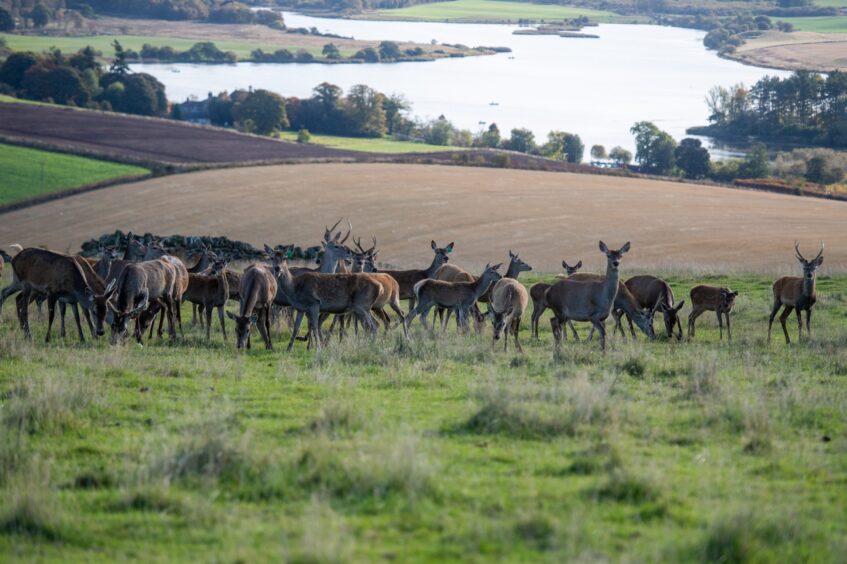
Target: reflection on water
point(594, 87)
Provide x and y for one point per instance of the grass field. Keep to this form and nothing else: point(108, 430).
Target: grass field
point(493, 10)
point(436, 449)
point(381, 145)
point(28, 173)
point(832, 24)
point(831, 3)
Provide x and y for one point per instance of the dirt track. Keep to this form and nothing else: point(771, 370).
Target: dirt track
point(546, 216)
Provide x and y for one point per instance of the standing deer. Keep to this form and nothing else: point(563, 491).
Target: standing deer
point(796, 294)
point(135, 250)
point(156, 251)
point(656, 295)
point(507, 305)
point(408, 278)
point(586, 301)
point(458, 296)
point(257, 291)
point(210, 291)
point(204, 262)
point(709, 298)
point(142, 284)
point(538, 293)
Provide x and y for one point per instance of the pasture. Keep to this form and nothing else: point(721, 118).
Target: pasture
point(824, 24)
point(439, 448)
point(385, 145)
point(28, 173)
point(492, 10)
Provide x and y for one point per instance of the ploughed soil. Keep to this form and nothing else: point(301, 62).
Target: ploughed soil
point(822, 52)
point(546, 217)
point(149, 140)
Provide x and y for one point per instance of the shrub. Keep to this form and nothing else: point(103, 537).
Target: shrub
point(303, 136)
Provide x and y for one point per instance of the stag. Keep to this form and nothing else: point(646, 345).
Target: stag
point(257, 291)
point(655, 294)
point(586, 300)
point(142, 284)
point(709, 298)
point(796, 293)
point(506, 306)
point(538, 293)
point(458, 296)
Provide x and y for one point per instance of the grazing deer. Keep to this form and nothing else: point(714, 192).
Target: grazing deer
point(257, 291)
point(408, 278)
point(56, 275)
point(458, 296)
point(656, 295)
point(538, 293)
point(507, 305)
point(586, 301)
point(796, 293)
point(142, 284)
point(313, 293)
point(210, 291)
point(156, 251)
point(710, 298)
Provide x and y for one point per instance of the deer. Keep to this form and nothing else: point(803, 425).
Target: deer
point(204, 262)
point(313, 293)
point(538, 293)
point(56, 275)
point(258, 289)
point(656, 294)
point(458, 296)
point(507, 304)
point(135, 249)
point(795, 293)
point(155, 250)
point(710, 298)
point(408, 278)
point(592, 301)
point(210, 291)
point(140, 285)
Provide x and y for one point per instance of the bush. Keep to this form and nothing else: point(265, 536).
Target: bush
point(263, 110)
point(303, 136)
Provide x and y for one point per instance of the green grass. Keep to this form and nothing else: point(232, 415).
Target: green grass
point(103, 43)
point(493, 10)
point(436, 449)
point(378, 145)
point(831, 3)
point(833, 24)
point(26, 173)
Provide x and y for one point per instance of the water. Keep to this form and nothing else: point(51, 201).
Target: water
point(594, 87)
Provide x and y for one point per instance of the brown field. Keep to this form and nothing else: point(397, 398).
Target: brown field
point(546, 216)
point(822, 52)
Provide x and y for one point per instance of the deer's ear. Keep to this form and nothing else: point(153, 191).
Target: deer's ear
point(269, 250)
point(625, 248)
point(433, 245)
point(733, 294)
point(819, 261)
point(578, 265)
point(449, 247)
point(232, 316)
point(511, 254)
point(679, 306)
point(603, 247)
point(565, 265)
point(254, 318)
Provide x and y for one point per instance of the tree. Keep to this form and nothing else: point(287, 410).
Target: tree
point(63, 85)
point(521, 140)
point(303, 136)
point(564, 146)
point(220, 110)
point(574, 148)
point(620, 156)
point(143, 95)
point(491, 137)
point(692, 158)
point(364, 112)
point(756, 164)
point(40, 15)
point(263, 109)
point(598, 152)
point(85, 59)
point(439, 132)
point(654, 148)
point(394, 106)
point(368, 54)
point(7, 22)
point(119, 65)
point(13, 69)
point(330, 51)
point(389, 50)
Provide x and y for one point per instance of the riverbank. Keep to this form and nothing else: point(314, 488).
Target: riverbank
point(799, 50)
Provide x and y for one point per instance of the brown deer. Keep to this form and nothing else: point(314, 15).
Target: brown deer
point(210, 291)
point(507, 304)
point(656, 295)
point(458, 296)
point(142, 284)
point(709, 298)
point(538, 293)
point(796, 293)
point(313, 293)
point(135, 249)
point(408, 278)
point(56, 275)
point(364, 261)
point(592, 301)
point(257, 291)
point(155, 250)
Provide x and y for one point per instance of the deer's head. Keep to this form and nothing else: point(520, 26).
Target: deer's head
point(516, 265)
point(644, 319)
point(441, 253)
point(809, 266)
point(120, 319)
point(571, 270)
point(614, 257)
point(671, 317)
point(243, 326)
point(728, 298)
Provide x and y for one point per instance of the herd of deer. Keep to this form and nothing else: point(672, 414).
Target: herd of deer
point(146, 281)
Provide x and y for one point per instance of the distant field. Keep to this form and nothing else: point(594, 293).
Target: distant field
point(370, 145)
point(27, 173)
point(834, 24)
point(481, 10)
point(831, 3)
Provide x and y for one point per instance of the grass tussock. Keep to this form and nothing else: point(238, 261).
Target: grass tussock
point(571, 406)
point(337, 419)
point(747, 537)
point(48, 403)
point(624, 487)
point(702, 382)
point(601, 457)
point(325, 537)
point(28, 506)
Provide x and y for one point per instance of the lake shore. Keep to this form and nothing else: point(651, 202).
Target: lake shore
point(799, 50)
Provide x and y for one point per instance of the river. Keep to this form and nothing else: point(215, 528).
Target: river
point(594, 87)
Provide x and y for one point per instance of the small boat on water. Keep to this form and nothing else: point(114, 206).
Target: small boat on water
point(493, 103)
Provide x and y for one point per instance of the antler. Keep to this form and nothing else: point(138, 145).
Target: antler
point(349, 231)
point(797, 251)
point(358, 243)
point(373, 248)
point(329, 230)
point(820, 254)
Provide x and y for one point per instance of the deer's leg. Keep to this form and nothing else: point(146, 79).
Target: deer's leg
point(537, 310)
point(556, 327)
point(445, 319)
point(799, 324)
point(720, 322)
point(591, 333)
point(193, 314)
point(208, 313)
point(782, 318)
point(90, 323)
point(728, 327)
point(22, 305)
point(75, 311)
point(631, 328)
point(296, 329)
point(51, 313)
point(315, 322)
point(62, 311)
point(573, 331)
point(774, 310)
point(478, 318)
point(617, 315)
point(395, 305)
point(692, 318)
point(516, 323)
point(221, 319)
point(809, 322)
point(178, 315)
point(601, 331)
point(264, 325)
